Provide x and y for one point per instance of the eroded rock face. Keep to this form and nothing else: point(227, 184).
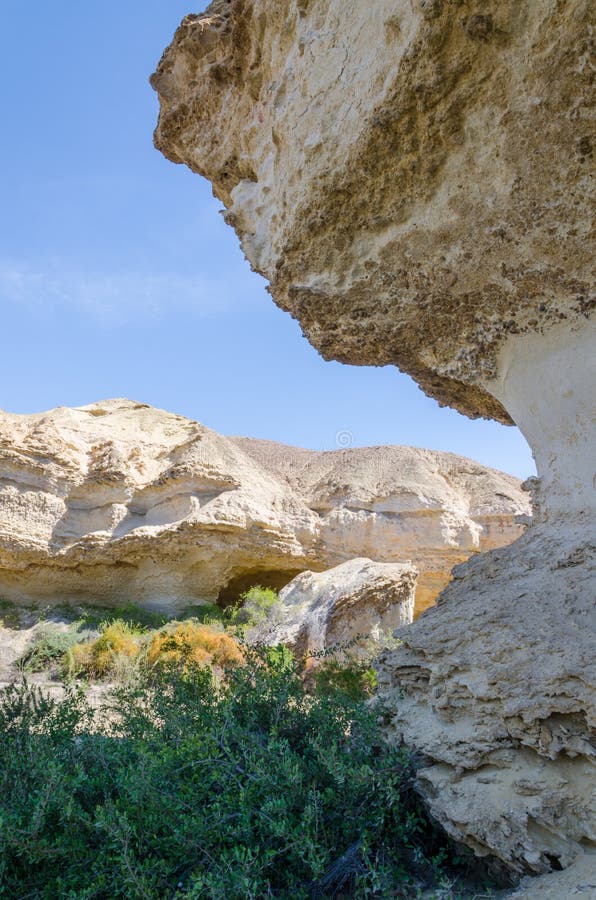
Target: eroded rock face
point(411, 177)
point(574, 883)
point(123, 503)
point(496, 687)
point(414, 181)
point(359, 601)
point(119, 502)
point(399, 503)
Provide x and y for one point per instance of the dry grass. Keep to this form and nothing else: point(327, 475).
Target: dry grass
point(193, 643)
point(122, 648)
point(118, 641)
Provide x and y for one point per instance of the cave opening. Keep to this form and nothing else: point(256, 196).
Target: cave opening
point(242, 581)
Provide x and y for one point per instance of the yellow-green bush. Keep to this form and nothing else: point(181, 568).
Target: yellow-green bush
point(193, 643)
point(121, 646)
point(255, 606)
point(118, 641)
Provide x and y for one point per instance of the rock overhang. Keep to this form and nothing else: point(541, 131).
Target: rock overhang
point(404, 175)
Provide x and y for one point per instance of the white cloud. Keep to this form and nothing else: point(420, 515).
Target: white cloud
point(119, 297)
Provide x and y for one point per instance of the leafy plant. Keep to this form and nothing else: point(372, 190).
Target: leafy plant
point(137, 616)
point(206, 613)
point(49, 647)
point(10, 614)
point(255, 606)
point(119, 640)
point(189, 785)
point(355, 678)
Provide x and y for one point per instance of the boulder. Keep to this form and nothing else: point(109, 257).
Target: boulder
point(578, 882)
point(413, 179)
point(118, 502)
point(359, 602)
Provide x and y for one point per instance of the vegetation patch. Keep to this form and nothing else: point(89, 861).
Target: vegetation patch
point(122, 648)
point(355, 678)
point(192, 644)
point(194, 784)
point(49, 648)
point(207, 613)
point(136, 616)
point(255, 606)
point(10, 615)
point(117, 644)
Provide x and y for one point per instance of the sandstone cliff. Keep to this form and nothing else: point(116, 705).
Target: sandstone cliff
point(399, 503)
point(414, 181)
point(121, 502)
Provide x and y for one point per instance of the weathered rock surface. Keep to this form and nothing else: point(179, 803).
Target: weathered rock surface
point(120, 502)
point(578, 882)
point(399, 503)
point(359, 599)
point(412, 178)
point(414, 181)
point(496, 687)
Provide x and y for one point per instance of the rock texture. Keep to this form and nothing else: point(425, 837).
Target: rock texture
point(496, 688)
point(399, 503)
point(119, 502)
point(578, 882)
point(359, 601)
point(413, 178)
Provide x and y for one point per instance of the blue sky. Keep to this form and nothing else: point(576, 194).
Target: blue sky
point(119, 278)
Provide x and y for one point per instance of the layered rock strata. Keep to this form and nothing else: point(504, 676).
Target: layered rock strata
point(413, 179)
point(392, 504)
point(495, 688)
point(118, 502)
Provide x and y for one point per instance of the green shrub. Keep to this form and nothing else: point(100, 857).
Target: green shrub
point(10, 614)
point(49, 647)
point(356, 679)
point(139, 617)
point(205, 613)
point(192, 786)
point(136, 616)
point(117, 646)
point(255, 606)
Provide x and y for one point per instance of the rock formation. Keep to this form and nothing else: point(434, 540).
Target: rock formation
point(399, 503)
point(118, 502)
point(495, 687)
point(578, 882)
point(358, 601)
point(413, 179)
